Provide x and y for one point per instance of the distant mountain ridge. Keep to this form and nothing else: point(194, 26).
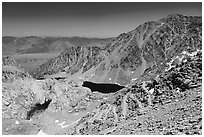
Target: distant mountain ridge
point(33, 44)
point(145, 50)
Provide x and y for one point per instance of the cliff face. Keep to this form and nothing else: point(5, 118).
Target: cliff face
point(12, 71)
point(147, 48)
point(72, 59)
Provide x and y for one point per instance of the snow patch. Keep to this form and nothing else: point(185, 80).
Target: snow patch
point(151, 91)
point(17, 122)
point(41, 133)
point(64, 126)
point(61, 124)
point(56, 121)
point(134, 79)
point(92, 74)
point(191, 54)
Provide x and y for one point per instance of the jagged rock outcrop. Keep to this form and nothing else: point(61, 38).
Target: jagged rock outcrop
point(73, 58)
point(12, 71)
point(21, 96)
point(144, 50)
point(17, 98)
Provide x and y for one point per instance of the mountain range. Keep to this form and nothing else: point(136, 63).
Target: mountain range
point(147, 48)
point(157, 68)
point(33, 44)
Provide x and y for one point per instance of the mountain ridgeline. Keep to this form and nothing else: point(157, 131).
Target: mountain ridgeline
point(146, 81)
point(32, 44)
point(139, 52)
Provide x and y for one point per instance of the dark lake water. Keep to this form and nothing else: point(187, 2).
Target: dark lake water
point(102, 87)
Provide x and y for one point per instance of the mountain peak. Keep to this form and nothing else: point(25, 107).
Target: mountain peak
point(146, 48)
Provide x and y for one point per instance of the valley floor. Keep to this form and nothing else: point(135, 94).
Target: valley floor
point(31, 62)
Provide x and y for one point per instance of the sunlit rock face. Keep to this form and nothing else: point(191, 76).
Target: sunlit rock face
point(147, 48)
point(22, 95)
point(16, 94)
point(17, 98)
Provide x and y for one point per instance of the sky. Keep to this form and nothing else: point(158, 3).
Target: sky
point(88, 19)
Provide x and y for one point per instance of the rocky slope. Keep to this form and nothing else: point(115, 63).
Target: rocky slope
point(29, 106)
point(170, 104)
point(147, 48)
point(12, 71)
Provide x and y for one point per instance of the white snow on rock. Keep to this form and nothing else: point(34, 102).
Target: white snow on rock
point(42, 133)
point(191, 54)
point(151, 90)
point(56, 121)
point(17, 122)
point(61, 124)
point(134, 79)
